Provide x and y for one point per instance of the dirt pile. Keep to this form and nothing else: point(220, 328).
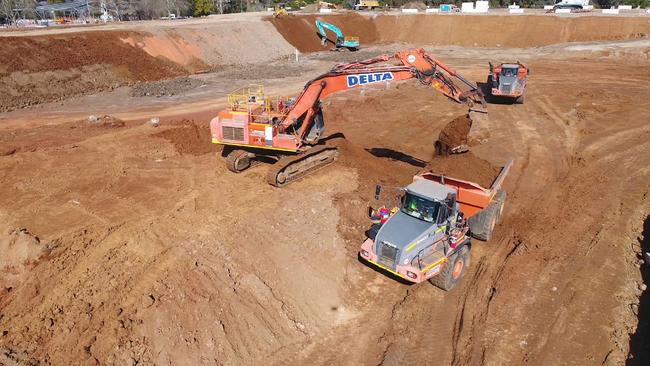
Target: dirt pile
point(37, 69)
point(21, 251)
point(64, 52)
point(455, 132)
point(188, 137)
point(485, 31)
point(166, 88)
point(466, 166)
point(51, 65)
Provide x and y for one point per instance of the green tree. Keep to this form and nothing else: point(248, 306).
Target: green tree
point(203, 7)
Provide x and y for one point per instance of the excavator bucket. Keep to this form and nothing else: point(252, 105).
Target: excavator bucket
point(476, 101)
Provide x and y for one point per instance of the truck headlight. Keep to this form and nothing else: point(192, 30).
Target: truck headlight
point(364, 253)
point(411, 274)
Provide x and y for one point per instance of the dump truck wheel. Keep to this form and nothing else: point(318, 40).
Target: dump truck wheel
point(454, 270)
point(482, 224)
point(238, 160)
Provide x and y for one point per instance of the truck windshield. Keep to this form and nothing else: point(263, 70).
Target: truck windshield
point(509, 72)
point(420, 208)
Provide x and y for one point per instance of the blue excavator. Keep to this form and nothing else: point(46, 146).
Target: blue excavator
point(342, 42)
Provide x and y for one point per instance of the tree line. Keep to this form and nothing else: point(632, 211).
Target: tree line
point(11, 10)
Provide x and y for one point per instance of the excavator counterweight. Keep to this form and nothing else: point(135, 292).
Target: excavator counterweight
point(289, 130)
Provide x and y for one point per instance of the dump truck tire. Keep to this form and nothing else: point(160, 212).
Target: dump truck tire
point(454, 270)
point(482, 224)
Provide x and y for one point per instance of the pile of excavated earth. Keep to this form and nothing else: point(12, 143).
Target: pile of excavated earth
point(129, 242)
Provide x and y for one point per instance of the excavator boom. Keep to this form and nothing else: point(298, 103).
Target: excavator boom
point(256, 127)
point(414, 64)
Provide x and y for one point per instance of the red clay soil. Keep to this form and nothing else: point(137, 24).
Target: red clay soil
point(485, 31)
point(188, 138)
point(465, 166)
point(302, 33)
point(54, 136)
point(178, 261)
point(455, 132)
point(68, 51)
point(37, 69)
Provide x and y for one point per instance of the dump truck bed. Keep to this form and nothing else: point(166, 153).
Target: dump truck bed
point(470, 195)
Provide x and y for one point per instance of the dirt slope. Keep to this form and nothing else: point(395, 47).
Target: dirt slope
point(472, 31)
point(50, 67)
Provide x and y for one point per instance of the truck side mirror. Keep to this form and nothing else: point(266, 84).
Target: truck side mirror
point(443, 214)
point(451, 199)
point(377, 192)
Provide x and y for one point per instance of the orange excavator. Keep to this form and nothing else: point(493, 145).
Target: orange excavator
point(288, 130)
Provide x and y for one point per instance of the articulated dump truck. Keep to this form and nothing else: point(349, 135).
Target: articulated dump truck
point(428, 237)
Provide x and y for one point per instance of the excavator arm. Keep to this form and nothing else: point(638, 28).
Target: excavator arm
point(414, 64)
point(323, 26)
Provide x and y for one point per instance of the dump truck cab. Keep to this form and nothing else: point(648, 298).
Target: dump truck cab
point(424, 232)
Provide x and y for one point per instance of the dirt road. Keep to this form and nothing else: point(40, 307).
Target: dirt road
point(128, 244)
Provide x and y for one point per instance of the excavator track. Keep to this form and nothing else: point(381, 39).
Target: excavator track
point(290, 169)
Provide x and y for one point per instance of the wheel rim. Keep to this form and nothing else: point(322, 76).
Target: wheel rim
point(458, 268)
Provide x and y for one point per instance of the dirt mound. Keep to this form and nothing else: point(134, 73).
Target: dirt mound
point(301, 30)
point(37, 69)
point(21, 251)
point(455, 132)
point(188, 138)
point(165, 88)
point(465, 166)
point(483, 31)
point(65, 52)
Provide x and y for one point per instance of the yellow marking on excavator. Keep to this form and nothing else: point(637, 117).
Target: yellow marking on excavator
point(216, 141)
point(411, 246)
point(441, 229)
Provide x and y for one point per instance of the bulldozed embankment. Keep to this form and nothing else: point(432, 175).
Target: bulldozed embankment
point(472, 31)
point(51, 66)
